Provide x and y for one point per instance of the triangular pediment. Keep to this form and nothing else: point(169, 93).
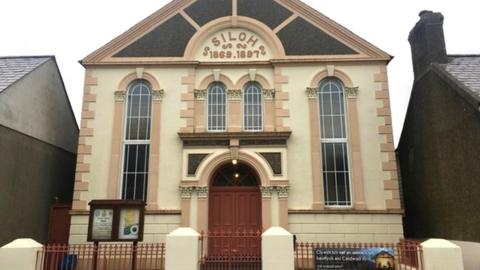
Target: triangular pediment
point(299, 32)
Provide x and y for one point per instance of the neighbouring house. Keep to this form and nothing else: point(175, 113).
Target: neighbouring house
point(440, 142)
point(233, 115)
point(38, 145)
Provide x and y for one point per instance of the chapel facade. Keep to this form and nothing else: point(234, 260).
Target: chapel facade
point(227, 115)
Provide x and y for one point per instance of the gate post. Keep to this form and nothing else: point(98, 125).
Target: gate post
point(21, 254)
point(277, 249)
point(182, 251)
point(439, 254)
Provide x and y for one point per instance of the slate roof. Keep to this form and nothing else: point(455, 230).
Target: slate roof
point(13, 68)
point(465, 69)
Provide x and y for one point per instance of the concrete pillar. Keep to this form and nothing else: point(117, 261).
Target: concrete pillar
point(277, 249)
point(439, 254)
point(182, 250)
point(20, 254)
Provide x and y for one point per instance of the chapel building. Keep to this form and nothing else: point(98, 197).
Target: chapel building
point(231, 115)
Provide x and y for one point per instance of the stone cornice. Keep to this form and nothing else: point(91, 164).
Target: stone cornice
point(351, 92)
point(235, 135)
point(158, 94)
point(120, 96)
point(268, 93)
point(234, 94)
point(200, 94)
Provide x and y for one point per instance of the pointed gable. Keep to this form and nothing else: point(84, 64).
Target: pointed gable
point(297, 29)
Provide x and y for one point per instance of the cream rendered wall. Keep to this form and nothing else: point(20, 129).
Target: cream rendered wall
point(308, 227)
point(363, 228)
point(101, 141)
point(170, 167)
point(299, 156)
point(170, 160)
point(299, 165)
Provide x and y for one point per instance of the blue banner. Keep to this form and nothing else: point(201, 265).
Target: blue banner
point(354, 258)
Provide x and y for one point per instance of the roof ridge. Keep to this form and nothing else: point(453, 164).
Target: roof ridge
point(463, 55)
point(14, 69)
point(27, 56)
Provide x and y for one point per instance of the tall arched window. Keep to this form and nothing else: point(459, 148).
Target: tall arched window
point(336, 176)
point(137, 141)
point(216, 106)
point(252, 107)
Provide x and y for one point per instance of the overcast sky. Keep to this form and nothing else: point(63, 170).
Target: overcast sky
point(70, 30)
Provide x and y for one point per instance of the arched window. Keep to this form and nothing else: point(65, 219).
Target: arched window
point(252, 107)
point(137, 141)
point(336, 176)
point(216, 106)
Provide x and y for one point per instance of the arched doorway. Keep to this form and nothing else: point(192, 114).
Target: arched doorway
point(235, 209)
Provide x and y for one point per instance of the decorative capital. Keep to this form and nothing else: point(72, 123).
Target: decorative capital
point(202, 192)
point(200, 94)
point(120, 96)
point(234, 94)
point(158, 94)
point(268, 93)
point(186, 192)
point(282, 191)
point(266, 192)
point(312, 92)
point(352, 92)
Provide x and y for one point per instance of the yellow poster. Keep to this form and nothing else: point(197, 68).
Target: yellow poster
point(129, 224)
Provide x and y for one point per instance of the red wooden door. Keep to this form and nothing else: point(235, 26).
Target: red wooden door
point(59, 223)
point(235, 214)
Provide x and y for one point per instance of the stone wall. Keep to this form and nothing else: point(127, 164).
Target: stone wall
point(364, 228)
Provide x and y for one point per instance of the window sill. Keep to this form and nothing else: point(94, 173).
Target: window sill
point(246, 138)
point(345, 211)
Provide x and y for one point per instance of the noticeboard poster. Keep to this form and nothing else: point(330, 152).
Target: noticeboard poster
point(102, 224)
point(354, 258)
point(129, 223)
point(116, 221)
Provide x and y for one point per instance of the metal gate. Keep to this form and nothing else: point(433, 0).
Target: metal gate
point(101, 257)
point(231, 251)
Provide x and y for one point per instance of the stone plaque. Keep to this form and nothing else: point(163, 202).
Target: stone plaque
point(234, 44)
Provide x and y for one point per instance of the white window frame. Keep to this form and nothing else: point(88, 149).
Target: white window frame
point(344, 140)
point(262, 107)
point(127, 141)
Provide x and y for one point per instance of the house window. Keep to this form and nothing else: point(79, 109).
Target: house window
point(216, 106)
point(336, 176)
point(137, 141)
point(252, 107)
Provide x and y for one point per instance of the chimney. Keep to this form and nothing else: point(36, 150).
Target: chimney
point(427, 42)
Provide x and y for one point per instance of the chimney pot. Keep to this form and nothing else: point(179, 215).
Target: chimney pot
point(423, 12)
point(427, 42)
